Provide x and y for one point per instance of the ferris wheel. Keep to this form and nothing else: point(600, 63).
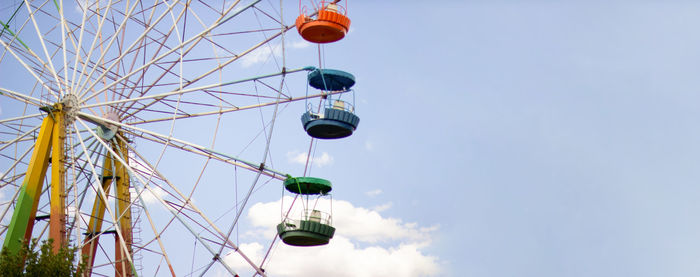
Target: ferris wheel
point(138, 131)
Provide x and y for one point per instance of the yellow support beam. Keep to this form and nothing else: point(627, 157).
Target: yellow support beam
point(50, 146)
point(23, 217)
point(97, 216)
point(57, 221)
point(123, 267)
point(113, 172)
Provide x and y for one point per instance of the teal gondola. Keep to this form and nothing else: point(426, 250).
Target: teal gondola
point(337, 119)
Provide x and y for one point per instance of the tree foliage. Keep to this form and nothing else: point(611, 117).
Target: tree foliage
point(30, 261)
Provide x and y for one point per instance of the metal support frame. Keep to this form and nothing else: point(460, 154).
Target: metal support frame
point(123, 211)
point(94, 227)
point(57, 220)
point(49, 147)
point(113, 172)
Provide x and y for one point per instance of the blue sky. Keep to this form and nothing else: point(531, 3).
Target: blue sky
point(499, 138)
point(545, 138)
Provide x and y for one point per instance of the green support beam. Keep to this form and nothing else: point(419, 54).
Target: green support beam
point(28, 200)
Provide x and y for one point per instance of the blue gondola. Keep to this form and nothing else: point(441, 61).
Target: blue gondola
point(337, 119)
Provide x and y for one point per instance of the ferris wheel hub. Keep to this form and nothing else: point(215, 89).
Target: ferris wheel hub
point(70, 107)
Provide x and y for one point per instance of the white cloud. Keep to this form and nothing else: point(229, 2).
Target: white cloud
point(300, 44)
point(148, 175)
point(261, 54)
point(90, 4)
point(373, 193)
point(266, 52)
point(383, 207)
point(139, 166)
point(150, 196)
point(82, 216)
point(342, 258)
point(300, 158)
point(324, 160)
point(358, 223)
point(352, 251)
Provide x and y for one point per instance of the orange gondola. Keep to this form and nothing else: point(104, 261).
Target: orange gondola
point(328, 22)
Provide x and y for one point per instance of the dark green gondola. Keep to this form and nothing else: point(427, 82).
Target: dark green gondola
point(310, 232)
point(314, 227)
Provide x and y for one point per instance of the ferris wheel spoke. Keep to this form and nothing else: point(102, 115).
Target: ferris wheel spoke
point(16, 190)
point(139, 41)
point(269, 16)
point(219, 109)
point(157, 97)
point(31, 71)
point(96, 37)
point(110, 76)
point(187, 226)
point(136, 42)
point(192, 42)
point(13, 199)
point(80, 175)
point(100, 192)
point(15, 35)
point(108, 47)
point(26, 52)
point(20, 137)
point(187, 201)
point(63, 40)
point(210, 37)
point(57, 48)
point(40, 37)
point(255, 181)
point(242, 54)
point(187, 146)
point(86, 173)
point(207, 153)
point(19, 118)
point(7, 171)
point(139, 191)
point(165, 72)
point(278, 91)
point(140, 78)
point(80, 43)
point(157, 235)
point(235, 109)
point(21, 97)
